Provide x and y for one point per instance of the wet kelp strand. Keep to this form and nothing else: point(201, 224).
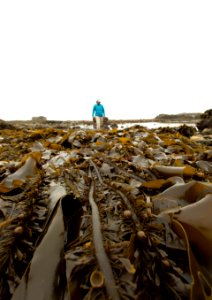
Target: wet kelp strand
point(102, 258)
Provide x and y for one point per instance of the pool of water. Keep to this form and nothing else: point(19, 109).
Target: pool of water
point(149, 125)
point(153, 125)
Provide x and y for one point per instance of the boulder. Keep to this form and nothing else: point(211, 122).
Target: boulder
point(187, 131)
point(205, 120)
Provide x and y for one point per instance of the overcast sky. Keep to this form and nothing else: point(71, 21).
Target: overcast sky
point(140, 58)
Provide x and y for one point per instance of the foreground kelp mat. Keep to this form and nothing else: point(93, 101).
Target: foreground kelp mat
point(105, 215)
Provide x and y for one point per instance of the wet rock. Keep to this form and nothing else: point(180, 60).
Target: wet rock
point(114, 126)
point(205, 120)
point(187, 131)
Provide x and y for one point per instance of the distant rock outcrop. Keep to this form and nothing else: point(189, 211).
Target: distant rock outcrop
point(205, 120)
point(178, 117)
point(40, 119)
point(6, 125)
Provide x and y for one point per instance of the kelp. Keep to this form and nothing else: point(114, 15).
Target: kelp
point(100, 251)
point(118, 214)
point(48, 258)
point(170, 171)
point(181, 194)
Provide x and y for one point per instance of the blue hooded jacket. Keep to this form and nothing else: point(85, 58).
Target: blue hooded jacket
point(98, 110)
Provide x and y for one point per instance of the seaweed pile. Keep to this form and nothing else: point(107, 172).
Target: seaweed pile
point(111, 214)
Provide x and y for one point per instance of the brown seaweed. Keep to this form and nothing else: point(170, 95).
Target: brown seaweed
point(119, 214)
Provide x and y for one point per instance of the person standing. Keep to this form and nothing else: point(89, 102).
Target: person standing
point(98, 113)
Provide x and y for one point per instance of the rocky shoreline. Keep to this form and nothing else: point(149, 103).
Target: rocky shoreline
point(119, 214)
point(40, 123)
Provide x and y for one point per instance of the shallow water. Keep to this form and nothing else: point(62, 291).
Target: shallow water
point(153, 125)
point(149, 125)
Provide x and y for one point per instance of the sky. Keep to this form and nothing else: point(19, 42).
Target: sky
point(141, 58)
